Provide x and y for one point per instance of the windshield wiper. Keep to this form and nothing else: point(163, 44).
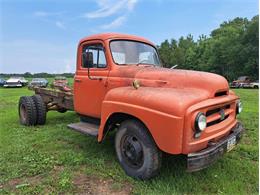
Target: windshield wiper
point(140, 62)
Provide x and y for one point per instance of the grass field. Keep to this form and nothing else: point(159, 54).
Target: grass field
point(53, 159)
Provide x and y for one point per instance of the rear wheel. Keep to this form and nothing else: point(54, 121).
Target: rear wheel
point(62, 110)
point(136, 150)
point(41, 109)
point(27, 111)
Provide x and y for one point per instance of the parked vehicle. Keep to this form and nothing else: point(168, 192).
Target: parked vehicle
point(2, 82)
point(59, 81)
point(255, 84)
point(241, 82)
point(121, 86)
point(16, 82)
point(245, 82)
point(38, 82)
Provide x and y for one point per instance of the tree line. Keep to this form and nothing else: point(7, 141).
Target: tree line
point(230, 50)
point(37, 75)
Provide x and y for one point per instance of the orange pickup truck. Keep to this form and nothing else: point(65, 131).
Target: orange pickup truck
point(120, 85)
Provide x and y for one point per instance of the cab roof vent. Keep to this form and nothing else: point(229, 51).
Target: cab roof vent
point(220, 93)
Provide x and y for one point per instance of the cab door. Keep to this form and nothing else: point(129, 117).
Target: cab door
point(90, 83)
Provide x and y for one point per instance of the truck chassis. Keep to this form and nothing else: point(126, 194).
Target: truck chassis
point(33, 109)
point(56, 99)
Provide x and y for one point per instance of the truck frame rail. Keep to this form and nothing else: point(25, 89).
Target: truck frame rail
point(56, 99)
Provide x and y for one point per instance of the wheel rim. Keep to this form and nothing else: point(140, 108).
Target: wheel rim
point(132, 151)
point(23, 112)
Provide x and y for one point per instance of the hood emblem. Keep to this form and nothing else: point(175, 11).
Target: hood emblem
point(136, 84)
point(222, 114)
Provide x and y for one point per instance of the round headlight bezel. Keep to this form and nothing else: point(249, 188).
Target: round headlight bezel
point(198, 120)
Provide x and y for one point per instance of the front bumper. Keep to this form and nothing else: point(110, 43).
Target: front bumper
point(13, 85)
point(204, 158)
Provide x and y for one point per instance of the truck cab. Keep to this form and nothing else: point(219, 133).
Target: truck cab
point(120, 78)
point(100, 61)
point(120, 85)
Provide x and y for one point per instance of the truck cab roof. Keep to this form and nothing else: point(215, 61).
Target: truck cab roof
point(112, 36)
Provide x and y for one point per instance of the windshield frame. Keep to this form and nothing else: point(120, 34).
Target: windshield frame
point(131, 64)
point(39, 79)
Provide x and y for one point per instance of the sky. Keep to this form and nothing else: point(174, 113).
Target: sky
point(42, 35)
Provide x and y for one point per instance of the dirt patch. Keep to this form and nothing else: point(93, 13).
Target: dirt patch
point(19, 182)
point(57, 169)
point(92, 185)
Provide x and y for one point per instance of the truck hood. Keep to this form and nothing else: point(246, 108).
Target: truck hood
point(160, 86)
point(13, 80)
point(211, 84)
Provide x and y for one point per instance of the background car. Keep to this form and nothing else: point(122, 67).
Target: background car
point(255, 84)
point(2, 82)
point(38, 82)
point(16, 82)
point(60, 81)
point(241, 82)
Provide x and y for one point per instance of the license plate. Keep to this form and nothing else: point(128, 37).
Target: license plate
point(231, 143)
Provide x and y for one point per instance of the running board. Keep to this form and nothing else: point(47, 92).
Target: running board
point(85, 128)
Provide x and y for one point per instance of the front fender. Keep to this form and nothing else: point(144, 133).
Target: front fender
point(159, 109)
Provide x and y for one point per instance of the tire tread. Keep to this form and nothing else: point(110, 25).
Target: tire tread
point(40, 108)
point(31, 112)
point(155, 155)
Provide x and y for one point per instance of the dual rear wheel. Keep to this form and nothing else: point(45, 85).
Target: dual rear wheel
point(32, 110)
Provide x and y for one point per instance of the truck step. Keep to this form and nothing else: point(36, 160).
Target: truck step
point(85, 128)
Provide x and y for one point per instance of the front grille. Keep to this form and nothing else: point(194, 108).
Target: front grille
point(216, 110)
point(12, 84)
point(217, 121)
point(217, 115)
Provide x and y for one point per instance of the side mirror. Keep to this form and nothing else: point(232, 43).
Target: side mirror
point(87, 59)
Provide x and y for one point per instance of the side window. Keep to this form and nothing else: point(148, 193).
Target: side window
point(97, 53)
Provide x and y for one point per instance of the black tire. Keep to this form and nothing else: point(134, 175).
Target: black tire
point(40, 108)
point(62, 110)
point(255, 87)
point(132, 139)
point(27, 111)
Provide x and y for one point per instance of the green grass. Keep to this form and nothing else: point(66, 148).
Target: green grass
point(53, 159)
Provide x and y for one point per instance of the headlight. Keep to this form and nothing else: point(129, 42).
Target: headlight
point(239, 107)
point(200, 122)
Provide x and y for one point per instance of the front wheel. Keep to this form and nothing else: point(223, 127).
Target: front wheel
point(136, 150)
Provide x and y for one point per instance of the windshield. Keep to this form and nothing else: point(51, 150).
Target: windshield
point(60, 78)
point(132, 52)
point(38, 79)
point(242, 78)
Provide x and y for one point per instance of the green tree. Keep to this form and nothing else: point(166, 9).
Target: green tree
point(231, 50)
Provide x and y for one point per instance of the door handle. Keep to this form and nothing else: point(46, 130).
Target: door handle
point(78, 80)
